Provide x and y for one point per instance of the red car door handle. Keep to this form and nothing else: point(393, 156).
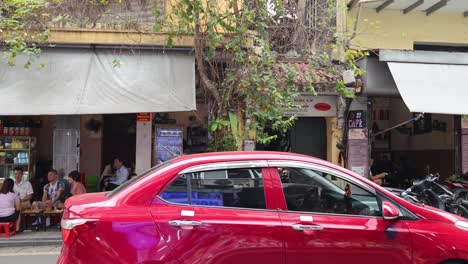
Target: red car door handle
point(184, 223)
point(307, 227)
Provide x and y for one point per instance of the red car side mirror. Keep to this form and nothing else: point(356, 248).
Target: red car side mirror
point(390, 211)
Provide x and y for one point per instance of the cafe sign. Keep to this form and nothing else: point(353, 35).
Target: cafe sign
point(357, 119)
point(314, 106)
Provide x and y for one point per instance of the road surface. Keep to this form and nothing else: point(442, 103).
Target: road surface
point(29, 255)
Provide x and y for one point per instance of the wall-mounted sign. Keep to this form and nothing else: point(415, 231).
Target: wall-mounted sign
point(358, 134)
point(357, 119)
point(168, 143)
point(312, 105)
point(143, 117)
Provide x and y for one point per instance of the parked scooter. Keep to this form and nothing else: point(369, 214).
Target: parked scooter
point(405, 194)
point(459, 188)
point(429, 192)
point(460, 184)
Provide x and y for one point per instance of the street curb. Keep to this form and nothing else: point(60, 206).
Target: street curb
point(30, 243)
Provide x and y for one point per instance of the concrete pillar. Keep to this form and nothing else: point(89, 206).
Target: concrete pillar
point(358, 140)
point(143, 155)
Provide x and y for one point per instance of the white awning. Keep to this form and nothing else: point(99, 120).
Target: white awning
point(99, 81)
point(432, 88)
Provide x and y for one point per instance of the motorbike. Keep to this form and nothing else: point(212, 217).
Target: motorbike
point(460, 184)
point(429, 192)
point(459, 188)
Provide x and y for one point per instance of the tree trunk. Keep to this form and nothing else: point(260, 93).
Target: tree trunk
point(240, 127)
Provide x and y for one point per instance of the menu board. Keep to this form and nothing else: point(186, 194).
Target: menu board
point(358, 151)
point(168, 143)
point(357, 119)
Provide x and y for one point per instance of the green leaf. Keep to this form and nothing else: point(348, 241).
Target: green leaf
point(116, 63)
point(213, 126)
point(234, 124)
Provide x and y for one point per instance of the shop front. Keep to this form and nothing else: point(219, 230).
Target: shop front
point(82, 108)
point(414, 103)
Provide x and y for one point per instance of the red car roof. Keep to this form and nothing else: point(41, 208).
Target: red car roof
point(249, 155)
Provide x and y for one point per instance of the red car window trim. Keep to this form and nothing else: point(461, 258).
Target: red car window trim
point(278, 201)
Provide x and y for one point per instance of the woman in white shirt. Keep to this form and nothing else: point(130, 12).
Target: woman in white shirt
point(9, 202)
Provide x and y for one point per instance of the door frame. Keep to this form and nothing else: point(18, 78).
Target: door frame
point(323, 144)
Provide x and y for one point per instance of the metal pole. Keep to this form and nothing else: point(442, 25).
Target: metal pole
point(416, 118)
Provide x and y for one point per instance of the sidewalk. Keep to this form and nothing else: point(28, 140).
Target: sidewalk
point(32, 239)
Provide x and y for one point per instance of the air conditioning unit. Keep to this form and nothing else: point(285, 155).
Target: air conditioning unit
point(348, 78)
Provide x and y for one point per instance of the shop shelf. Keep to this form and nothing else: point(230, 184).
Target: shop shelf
point(14, 149)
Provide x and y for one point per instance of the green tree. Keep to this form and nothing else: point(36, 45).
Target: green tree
point(236, 47)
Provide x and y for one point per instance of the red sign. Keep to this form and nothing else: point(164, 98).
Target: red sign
point(323, 106)
point(144, 117)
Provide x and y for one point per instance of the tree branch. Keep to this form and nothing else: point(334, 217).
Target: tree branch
point(199, 44)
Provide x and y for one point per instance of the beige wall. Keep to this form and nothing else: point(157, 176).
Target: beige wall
point(183, 117)
point(45, 137)
point(437, 140)
point(90, 147)
point(391, 29)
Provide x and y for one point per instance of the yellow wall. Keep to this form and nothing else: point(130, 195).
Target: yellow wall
point(90, 36)
point(391, 29)
point(334, 135)
point(105, 34)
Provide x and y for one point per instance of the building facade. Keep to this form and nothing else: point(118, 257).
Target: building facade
point(413, 87)
point(104, 89)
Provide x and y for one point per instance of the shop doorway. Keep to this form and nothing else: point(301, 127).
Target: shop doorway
point(119, 139)
point(309, 137)
point(415, 149)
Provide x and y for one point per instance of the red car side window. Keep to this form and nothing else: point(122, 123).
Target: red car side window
point(241, 188)
point(307, 190)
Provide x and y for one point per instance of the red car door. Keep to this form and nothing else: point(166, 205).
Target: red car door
point(220, 215)
point(328, 218)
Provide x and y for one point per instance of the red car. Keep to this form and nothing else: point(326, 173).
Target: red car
point(256, 207)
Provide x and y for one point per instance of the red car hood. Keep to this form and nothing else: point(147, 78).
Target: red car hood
point(434, 214)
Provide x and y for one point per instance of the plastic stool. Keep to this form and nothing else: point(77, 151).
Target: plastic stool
point(6, 228)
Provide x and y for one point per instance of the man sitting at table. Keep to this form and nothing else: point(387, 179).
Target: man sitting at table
point(53, 191)
point(23, 189)
point(121, 175)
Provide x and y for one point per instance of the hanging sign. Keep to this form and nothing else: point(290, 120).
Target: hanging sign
point(357, 119)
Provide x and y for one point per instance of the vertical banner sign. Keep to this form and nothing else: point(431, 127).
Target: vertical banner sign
point(464, 143)
point(143, 142)
point(358, 157)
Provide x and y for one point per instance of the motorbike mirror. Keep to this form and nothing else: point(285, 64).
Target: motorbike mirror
point(390, 211)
